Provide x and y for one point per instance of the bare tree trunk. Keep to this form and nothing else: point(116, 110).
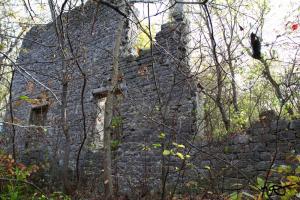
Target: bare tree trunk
point(109, 107)
point(12, 116)
point(228, 40)
point(65, 130)
point(64, 95)
point(218, 99)
point(275, 85)
point(233, 85)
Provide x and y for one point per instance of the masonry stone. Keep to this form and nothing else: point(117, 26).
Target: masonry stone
point(295, 125)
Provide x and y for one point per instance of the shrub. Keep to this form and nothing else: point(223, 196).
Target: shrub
point(15, 184)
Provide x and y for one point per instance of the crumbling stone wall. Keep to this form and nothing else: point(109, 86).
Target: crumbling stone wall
point(157, 96)
point(237, 160)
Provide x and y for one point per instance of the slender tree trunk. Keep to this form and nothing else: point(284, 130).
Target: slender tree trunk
point(58, 26)
point(12, 116)
point(219, 74)
point(233, 85)
point(109, 107)
point(275, 85)
point(228, 42)
point(65, 130)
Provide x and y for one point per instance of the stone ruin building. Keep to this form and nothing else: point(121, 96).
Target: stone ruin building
point(158, 105)
point(156, 96)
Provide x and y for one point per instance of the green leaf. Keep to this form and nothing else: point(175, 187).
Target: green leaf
point(115, 144)
point(297, 170)
point(234, 196)
point(293, 179)
point(1, 46)
point(116, 121)
point(284, 169)
point(162, 135)
point(260, 182)
point(207, 167)
point(156, 145)
point(178, 145)
point(166, 152)
point(146, 148)
point(180, 155)
point(24, 97)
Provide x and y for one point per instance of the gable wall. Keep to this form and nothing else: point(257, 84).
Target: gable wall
point(159, 96)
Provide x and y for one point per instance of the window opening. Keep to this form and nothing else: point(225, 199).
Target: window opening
point(100, 96)
point(38, 115)
point(37, 119)
point(99, 125)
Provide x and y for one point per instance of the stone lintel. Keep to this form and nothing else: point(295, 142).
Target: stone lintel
point(40, 106)
point(102, 92)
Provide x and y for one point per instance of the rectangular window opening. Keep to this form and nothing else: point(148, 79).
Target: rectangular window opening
point(99, 124)
point(100, 97)
point(38, 115)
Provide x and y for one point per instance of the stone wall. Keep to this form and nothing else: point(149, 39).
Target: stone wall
point(237, 160)
point(157, 97)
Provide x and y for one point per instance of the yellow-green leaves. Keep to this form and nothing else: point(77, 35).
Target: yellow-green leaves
point(178, 145)
point(162, 135)
point(166, 152)
point(284, 169)
point(1, 46)
point(24, 98)
point(145, 148)
point(116, 121)
point(260, 182)
point(297, 170)
point(176, 150)
point(180, 155)
point(143, 40)
point(156, 145)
